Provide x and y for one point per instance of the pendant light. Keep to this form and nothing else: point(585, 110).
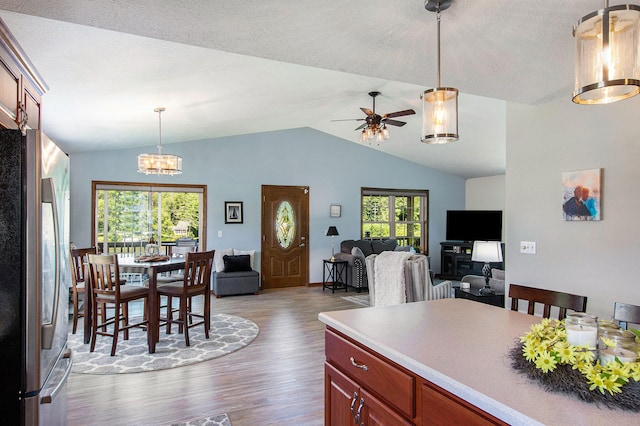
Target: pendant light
point(159, 164)
point(607, 62)
point(440, 104)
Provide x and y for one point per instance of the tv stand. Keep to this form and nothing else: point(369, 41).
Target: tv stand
point(455, 260)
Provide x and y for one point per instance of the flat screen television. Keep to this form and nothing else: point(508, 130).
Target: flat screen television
point(472, 225)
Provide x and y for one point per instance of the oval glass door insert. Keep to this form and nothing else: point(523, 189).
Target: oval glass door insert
point(285, 224)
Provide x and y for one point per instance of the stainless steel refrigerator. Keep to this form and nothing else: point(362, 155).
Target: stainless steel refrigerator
point(34, 280)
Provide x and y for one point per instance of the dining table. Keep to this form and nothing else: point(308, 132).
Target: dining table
point(136, 265)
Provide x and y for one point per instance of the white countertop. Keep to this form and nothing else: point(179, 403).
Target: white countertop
point(461, 346)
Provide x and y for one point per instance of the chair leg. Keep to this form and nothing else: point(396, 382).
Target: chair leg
point(74, 300)
point(207, 314)
point(169, 313)
point(116, 329)
point(94, 326)
point(184, 314)
point(125, 316)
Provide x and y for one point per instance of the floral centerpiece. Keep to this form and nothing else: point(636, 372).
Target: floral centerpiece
point(544, 355)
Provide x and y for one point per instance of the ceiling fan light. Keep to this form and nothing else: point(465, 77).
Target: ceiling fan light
point(385, 132)
point(440, 115)
point(379, 137)
point(607, 59)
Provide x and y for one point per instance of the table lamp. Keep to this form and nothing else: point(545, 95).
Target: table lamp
point(486, 251)
point(332, 232)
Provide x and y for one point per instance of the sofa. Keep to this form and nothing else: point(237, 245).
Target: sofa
point(496, 281)
point(234, 273)
point(355, 253)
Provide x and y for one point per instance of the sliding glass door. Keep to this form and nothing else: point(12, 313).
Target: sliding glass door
point(128, 215)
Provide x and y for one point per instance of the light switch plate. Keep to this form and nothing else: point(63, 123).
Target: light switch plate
point(219, 234)
point(528, 247)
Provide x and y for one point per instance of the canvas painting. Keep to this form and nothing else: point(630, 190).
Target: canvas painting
point(582, 195)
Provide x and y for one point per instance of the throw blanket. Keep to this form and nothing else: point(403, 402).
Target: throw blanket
point(389, 278)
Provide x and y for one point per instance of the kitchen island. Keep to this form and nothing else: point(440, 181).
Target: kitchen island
point(453, 347)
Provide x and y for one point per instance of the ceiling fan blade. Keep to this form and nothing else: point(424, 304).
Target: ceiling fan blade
point(367, 111)
point(351, 119)
point(362, 126)
point(400, 113)
point(394, 122)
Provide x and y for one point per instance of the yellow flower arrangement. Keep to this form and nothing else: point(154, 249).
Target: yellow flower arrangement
point(545, 355)
point(546, 346)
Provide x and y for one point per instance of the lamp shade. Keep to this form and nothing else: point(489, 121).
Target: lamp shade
point(332, 231)
point(486, 251)
point(440, 115)
point(607, 59)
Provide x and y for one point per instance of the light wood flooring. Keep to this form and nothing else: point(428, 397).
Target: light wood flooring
point(277, 380)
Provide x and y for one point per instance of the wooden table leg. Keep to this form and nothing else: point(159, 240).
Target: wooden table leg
point(87, 300)
point(153, 332)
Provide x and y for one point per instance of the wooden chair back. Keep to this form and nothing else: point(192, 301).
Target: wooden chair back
point(78, 260)
point(105, 275)
point(548, 298)
point(624, 313)
point(197, 270)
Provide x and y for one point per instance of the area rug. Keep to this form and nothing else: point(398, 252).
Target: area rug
point(228, 334)
point(359, 299)
point(219, 420)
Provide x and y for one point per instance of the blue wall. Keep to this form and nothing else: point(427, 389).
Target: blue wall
point(234, 168)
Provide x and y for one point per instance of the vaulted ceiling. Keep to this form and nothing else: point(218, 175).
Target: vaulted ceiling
point(239, 67)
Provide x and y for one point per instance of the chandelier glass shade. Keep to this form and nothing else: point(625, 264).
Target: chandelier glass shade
point(607, 60)
point(159, 164)
point(440, 104)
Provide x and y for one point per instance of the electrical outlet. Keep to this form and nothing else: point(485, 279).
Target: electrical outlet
point(528, 247)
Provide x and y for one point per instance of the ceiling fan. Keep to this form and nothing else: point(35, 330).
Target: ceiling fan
point(376, 125)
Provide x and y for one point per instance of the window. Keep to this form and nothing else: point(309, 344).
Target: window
point(396, 213)
point(127, 215)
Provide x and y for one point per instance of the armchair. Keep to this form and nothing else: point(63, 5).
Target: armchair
point(355, 252)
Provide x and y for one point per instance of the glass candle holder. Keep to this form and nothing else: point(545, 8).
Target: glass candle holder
point(582, 329)
point(625, 349)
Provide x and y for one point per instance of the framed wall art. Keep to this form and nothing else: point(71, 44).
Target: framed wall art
point(233, 212)
point(582, 195)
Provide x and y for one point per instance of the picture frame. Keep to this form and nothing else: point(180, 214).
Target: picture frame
point(582, 195)
point(233, 212)
point(335, 210)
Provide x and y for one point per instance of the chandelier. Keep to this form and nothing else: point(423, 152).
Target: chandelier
point(440, 104)
point(607, 61)
point(159, 164)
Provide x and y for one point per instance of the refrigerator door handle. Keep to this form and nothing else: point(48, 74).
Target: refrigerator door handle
point(48, 195)
point(48, 397)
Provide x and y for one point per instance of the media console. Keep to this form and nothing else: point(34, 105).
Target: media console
point(455, 260)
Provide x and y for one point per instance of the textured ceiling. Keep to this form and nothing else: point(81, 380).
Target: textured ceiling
point(237, 67)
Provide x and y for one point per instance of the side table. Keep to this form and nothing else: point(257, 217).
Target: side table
point(334, 274)
point(474, 294)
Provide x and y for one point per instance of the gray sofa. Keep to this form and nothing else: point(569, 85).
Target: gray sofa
point(496, 281)
point(355, 252)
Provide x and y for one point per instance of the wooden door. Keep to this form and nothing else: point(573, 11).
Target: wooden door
point(285, 236)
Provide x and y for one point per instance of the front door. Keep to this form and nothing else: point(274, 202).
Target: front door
point(285, 236)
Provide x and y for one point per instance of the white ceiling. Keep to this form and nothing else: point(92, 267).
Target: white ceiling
point(238, 67)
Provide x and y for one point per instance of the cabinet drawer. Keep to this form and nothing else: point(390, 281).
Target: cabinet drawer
point(380, 377)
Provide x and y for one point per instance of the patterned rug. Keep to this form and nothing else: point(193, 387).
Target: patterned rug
point(219, 420)
point(228, 334)
point(359, 299)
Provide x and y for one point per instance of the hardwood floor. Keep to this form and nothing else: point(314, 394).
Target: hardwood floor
point(277, 380)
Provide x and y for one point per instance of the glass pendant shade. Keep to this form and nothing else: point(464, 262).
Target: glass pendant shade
point(159, 164)
point(607, 61)
point(440, 115)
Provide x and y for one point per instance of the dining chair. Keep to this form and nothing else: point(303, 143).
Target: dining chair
point(196, 282)
point(108, 291)
point(179, 251)
point(548, 298)
point(78, 262)
point(625, 313)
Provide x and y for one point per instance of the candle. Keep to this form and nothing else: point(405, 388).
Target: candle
point(582, 335)
point(610, 354)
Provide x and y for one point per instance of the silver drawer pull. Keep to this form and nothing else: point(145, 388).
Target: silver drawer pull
point(360, 366)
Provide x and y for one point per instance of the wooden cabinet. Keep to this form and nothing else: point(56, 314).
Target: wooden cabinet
point(455, 261)
point(364, 388)
point(21, 87)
